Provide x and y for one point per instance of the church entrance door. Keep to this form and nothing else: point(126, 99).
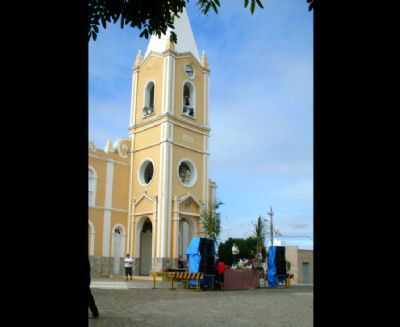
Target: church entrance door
point(146, 236)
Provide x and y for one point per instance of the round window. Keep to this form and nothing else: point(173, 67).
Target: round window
point(146, 172)
point(187, 173)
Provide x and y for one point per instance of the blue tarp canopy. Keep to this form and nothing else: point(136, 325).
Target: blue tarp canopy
point(193, 255)
point(272, 276)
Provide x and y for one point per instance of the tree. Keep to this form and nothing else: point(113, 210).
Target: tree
point(151, 17)
point(311, 4)
point(259, 233)
point(211, 221)
point(246, 246)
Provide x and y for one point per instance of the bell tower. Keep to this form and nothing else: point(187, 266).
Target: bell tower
point(169, 133)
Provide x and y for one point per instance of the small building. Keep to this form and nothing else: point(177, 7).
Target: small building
point(301, 265)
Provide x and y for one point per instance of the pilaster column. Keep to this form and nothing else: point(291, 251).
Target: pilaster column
point(132, 247)
point(175, 227)
point(206, 71)
point(135, 77)
point(130, 236)
point(164, 203)
point(107, 208)
point(169, 79)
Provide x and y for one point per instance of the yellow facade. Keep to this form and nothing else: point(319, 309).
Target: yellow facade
point(150, 194)
point(112, 172)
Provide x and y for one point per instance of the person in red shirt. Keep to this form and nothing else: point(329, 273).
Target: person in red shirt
point(220, 273)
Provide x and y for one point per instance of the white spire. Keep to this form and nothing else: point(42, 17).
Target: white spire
point(186, 42)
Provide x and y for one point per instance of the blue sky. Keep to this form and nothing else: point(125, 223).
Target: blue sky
point(260, 108)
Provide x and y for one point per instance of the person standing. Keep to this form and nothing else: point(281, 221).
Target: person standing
point(128, 263)
point(220, 273)
point(235, 254)
point(92, 304)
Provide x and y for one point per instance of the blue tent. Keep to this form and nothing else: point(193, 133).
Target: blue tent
point(193, 257)
point(272, 276)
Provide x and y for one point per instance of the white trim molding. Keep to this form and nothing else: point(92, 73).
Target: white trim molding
point(169, 64)
point(205, 100)
point(106, 233)
point(187, 196)
point(108, 204)
point(130, 202)
point(110, 209)
point(92, 204)
point(92, 236)
point(132, 119)
point(192, 214)
point(162, 118)
point(143, 196)
point(163, 188)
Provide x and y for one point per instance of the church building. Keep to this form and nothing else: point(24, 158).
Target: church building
point(147, 191)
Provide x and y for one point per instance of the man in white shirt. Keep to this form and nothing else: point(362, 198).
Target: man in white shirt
point(128, 263)
point(235, 253)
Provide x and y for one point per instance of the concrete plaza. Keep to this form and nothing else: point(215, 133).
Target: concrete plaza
point(136, 304)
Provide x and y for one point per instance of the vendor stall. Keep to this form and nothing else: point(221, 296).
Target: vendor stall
point(238, 279)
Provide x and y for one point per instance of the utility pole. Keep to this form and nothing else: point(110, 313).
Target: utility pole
point(271, 226)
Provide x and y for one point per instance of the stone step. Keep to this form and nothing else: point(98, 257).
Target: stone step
point(109, 284)
point(135, 277)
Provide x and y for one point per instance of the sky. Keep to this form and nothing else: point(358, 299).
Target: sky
point(260, 109)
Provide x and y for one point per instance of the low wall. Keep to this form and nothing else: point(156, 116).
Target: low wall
point(103, 267)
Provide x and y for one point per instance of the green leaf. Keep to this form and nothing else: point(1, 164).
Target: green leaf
point(103, 22)
point(94, 35)
point(214, 7)
point(207, 7)
point(246, 3)
point(253, 6)
point(260, 4)
point(174, 37)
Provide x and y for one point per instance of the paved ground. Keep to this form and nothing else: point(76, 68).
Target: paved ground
point(189, 308)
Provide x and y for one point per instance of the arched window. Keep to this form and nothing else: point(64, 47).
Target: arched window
point(188, 99)
point(92, 187)
point(149, 99)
